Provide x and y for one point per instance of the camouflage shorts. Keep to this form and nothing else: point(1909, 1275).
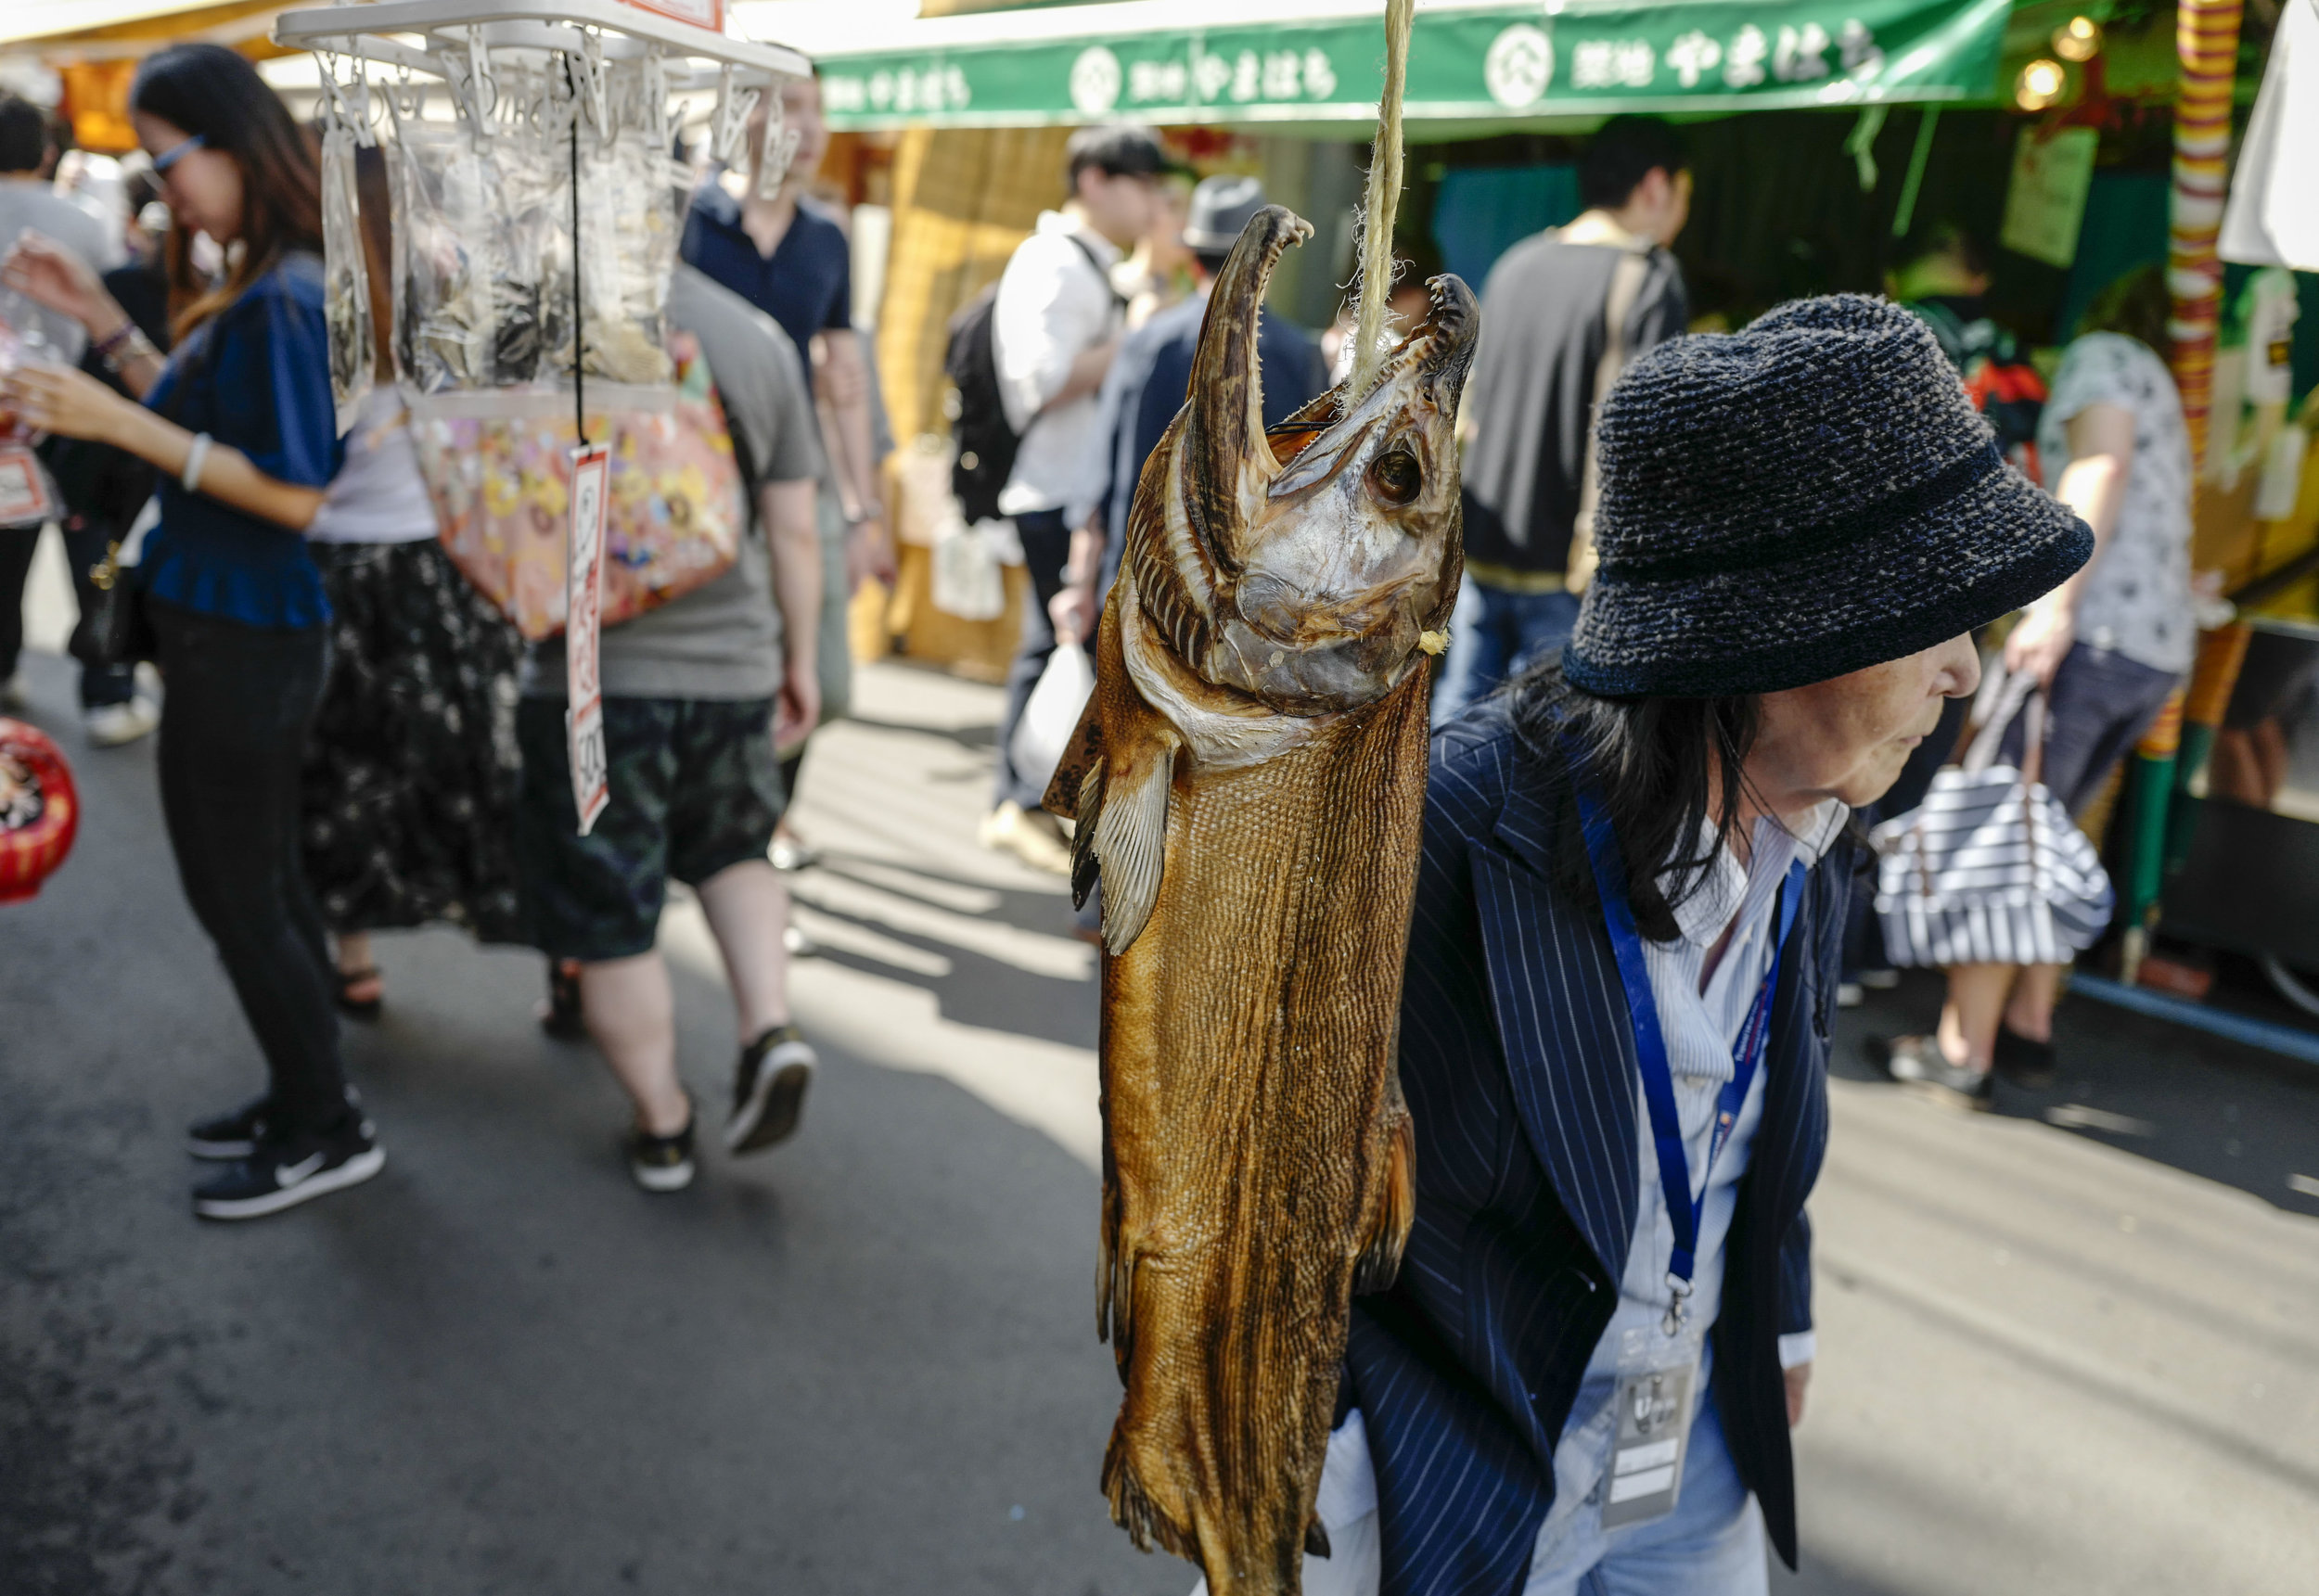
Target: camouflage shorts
point(695, 790)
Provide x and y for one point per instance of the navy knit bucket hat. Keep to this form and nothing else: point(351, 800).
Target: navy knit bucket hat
point(1807, 497)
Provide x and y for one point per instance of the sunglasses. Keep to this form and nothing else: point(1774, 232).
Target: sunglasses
point(177, 152)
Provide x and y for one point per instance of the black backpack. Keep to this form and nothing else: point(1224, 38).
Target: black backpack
point(986, 443)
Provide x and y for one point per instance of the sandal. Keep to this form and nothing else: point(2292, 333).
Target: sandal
point(560, 1015)
point(354, 1007)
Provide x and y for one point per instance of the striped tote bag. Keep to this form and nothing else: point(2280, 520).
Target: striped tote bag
point(1990, 869)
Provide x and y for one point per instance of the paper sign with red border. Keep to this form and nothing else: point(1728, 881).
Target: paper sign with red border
point(709, 14)
point(25, 497)
point(590, 788)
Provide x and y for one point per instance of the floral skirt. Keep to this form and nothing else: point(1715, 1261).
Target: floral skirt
point(412, 770)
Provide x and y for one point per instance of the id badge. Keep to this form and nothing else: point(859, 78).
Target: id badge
point(26, 498)
point(1658, 1376)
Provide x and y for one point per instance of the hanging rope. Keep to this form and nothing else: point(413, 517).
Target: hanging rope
point(1382, 200)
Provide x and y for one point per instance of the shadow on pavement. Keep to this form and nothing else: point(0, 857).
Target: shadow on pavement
point(2203, 1104)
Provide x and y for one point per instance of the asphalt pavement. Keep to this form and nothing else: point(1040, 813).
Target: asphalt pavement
point(2072, 1347)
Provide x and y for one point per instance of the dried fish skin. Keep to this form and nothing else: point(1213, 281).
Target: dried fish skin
point(1249, 785)
point(345, 279)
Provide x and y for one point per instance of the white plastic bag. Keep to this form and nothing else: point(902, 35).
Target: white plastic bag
point(1052, 713)
point(968, 581)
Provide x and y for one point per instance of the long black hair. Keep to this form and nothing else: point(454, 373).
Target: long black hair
point(1664, 768)
point(215, 93)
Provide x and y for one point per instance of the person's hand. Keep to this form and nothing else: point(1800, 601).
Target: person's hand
point(59, 400)
point(45, 271)
point(1798, 1379)
point(869, 552)
point(1073, 612)
point(797, 710)
point(2041, 640)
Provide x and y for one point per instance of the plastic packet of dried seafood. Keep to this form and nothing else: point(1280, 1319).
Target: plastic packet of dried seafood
point(628, 243)
point(446, 259)
point(346, 279)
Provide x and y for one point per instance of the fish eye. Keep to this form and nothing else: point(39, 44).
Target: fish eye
point(1396, 476)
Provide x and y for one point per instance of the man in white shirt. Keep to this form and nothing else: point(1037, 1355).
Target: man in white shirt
point(1055, 327)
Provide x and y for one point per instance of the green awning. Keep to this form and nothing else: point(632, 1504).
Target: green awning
point(1306, 61)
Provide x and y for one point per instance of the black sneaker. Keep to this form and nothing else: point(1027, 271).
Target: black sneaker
point(662, 1163)
point(769, 1090)
point(2026, 1063)
point(1919, 1061)
point(282, 1171)
point(235, 1135)
point(231, 1135)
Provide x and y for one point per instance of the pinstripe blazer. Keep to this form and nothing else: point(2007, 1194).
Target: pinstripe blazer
point(1519, 1062)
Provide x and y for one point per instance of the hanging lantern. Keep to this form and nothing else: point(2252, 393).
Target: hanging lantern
point(2079, 39)
point(39, 809)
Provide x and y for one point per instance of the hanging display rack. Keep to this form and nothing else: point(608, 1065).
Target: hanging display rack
point(523, 80)
point(375, 32)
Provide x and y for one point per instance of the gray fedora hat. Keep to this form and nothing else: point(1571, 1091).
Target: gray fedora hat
point(1220, 211)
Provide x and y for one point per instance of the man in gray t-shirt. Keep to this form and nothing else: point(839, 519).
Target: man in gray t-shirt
point(696, 695)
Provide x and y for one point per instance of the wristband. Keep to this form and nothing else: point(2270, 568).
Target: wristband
point(113, 341)
point(135, 346)
point(195, 457)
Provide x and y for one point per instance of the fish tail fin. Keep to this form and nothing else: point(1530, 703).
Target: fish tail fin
point(1397, 1208)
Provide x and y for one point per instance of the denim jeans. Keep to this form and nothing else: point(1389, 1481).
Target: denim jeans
point(1495, 634)
point(1046, 543)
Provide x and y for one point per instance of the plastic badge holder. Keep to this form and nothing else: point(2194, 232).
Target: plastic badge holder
point(346, 283)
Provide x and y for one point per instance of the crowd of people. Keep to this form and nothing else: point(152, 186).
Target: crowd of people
point(1632, 786)
point(353, 739)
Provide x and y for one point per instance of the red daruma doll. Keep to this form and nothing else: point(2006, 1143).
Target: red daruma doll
point(39, 809)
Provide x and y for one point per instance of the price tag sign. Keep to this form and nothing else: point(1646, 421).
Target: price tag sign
point(709, 14)
point(584, 689)
point(25, 497)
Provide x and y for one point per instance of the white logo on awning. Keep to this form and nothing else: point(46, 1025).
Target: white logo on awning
point(1095, 80)
point(1519, 67)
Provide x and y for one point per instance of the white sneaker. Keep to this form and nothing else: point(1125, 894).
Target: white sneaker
point(14, 695)
point(1032, 835)
point(109, 725)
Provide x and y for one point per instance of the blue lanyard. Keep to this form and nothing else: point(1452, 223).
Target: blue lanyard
point(1684, 1210)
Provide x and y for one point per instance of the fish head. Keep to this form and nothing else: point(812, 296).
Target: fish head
point(1302, 566)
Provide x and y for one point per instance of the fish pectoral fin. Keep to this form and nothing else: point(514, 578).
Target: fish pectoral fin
point(1130, 843)
point(1084, 868)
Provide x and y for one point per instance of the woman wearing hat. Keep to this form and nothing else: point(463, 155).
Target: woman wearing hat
point(1622, 969)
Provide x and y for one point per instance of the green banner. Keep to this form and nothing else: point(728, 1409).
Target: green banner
point(1495, 62)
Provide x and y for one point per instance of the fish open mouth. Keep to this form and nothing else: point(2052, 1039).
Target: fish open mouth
point(1431, 365)
point(1439, 349)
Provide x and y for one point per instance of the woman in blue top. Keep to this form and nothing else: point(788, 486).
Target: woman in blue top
point(240, 424)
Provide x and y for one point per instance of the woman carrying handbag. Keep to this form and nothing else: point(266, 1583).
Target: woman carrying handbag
point(2106, 649)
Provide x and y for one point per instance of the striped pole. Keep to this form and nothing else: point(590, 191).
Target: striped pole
point(2206, 42)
